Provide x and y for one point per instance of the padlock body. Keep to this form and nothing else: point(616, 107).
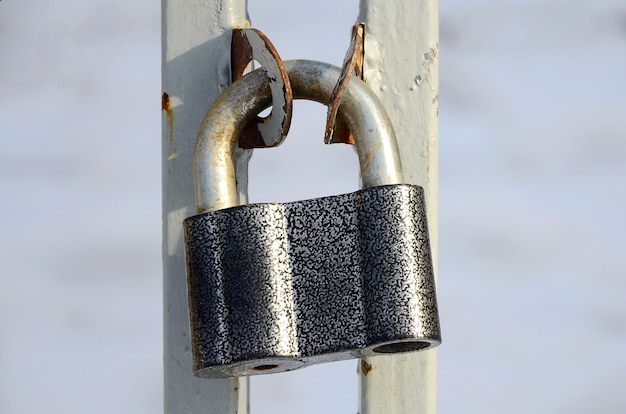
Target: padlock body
point(274, 287)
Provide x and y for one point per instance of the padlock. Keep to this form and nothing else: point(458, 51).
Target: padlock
point(279, 286)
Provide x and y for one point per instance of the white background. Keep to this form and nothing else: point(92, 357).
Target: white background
point(532, 267)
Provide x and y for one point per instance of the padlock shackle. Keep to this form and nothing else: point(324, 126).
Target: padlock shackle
point(365, 115)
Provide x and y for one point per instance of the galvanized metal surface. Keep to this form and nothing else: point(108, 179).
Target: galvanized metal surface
point(214, 169)
point(402, 68)
point(274, 287)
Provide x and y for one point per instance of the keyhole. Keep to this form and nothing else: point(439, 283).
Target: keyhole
point(265, 367)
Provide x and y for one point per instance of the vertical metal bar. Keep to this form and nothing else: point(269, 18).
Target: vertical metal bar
point(402, 68)
point(196, 37)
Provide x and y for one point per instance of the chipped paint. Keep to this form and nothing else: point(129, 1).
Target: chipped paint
point(270, 131)
point(430, 56)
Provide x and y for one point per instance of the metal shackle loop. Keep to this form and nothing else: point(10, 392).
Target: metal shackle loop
point(214, 166)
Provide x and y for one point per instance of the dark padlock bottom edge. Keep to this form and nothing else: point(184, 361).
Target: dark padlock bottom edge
point(261, 366)
point(264, 366)
point(401, 347)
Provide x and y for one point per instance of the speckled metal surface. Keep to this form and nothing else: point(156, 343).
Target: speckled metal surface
point(274, 287)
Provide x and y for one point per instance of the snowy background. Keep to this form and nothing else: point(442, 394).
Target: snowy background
point(532, 270)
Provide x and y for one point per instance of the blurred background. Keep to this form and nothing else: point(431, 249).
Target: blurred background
point(532, 260)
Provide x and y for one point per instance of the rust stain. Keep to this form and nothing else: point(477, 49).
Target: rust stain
point(242, 53)
point(165, 102)
point(369, 156)
point(337, 130)
point(365, 368)
point(167, 107)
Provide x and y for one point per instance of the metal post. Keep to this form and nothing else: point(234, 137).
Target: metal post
point(196, 38)
point(402, 68)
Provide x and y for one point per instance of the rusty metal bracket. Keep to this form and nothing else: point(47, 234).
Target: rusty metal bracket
point(248, 45)
point(337, 130)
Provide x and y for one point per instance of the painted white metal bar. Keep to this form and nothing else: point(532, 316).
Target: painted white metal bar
point(402, 68)
point(196, 38)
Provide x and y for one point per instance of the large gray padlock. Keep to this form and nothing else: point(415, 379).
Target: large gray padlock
point(275, 287)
